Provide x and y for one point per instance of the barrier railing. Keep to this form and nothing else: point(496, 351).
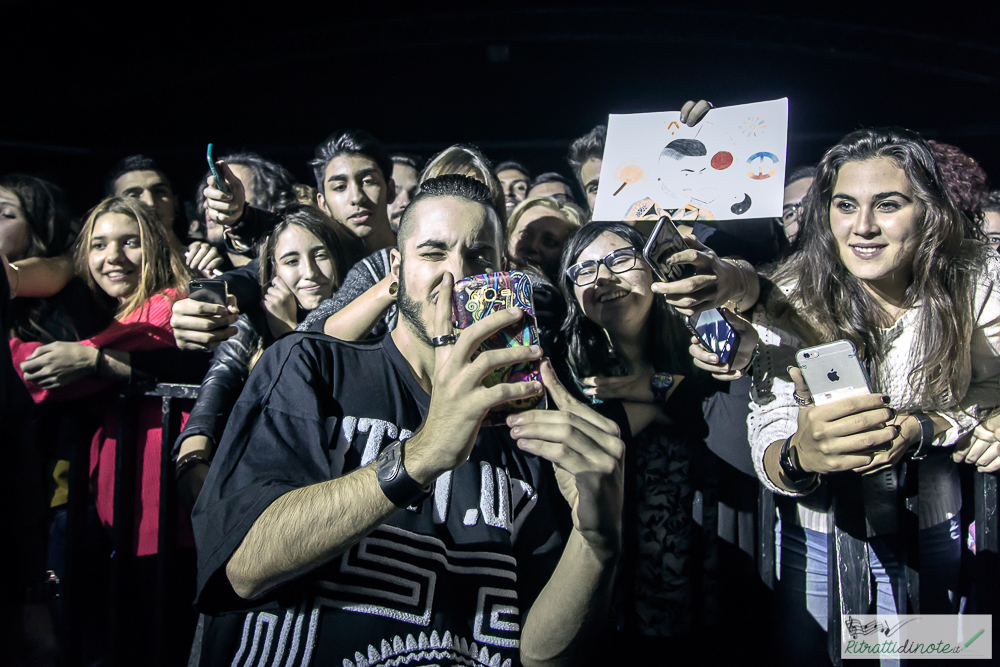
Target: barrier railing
point(849, 583)
point(123, 649)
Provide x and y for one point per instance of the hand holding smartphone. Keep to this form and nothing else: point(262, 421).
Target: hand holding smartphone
point(476, 297)
point(711, 327)
point(665, 242)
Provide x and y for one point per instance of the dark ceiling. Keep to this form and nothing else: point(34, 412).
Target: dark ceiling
point(86, 86)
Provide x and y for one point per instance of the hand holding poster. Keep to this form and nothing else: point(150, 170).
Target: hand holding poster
point(730, 165)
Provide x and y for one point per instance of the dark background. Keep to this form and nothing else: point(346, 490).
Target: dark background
point(87, 84)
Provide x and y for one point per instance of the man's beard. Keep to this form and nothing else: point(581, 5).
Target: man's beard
point(410, 310)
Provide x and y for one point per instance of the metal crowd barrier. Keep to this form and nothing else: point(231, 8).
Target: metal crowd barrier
point(124, 652)
point(849, 583)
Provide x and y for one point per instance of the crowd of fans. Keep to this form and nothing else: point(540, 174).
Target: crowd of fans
point(346, 495)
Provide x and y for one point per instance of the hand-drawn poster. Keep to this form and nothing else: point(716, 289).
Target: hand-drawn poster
point(730, 165)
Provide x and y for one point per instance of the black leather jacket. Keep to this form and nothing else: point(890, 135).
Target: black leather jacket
point(225, 379)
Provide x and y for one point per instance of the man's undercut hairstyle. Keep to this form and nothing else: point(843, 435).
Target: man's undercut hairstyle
point(130, 164)
point(800, 173)
point(408, 159)
point(516, 166)
point(680, 148)
point(448, 185)
point(589, 146)
point(350, 142)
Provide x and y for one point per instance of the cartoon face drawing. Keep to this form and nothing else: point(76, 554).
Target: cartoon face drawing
point(686, 174)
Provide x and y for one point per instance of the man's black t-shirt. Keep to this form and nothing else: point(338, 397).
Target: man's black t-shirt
point(447, 582)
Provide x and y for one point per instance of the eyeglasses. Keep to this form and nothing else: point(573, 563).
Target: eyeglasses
point(791, 212)
point(619, 261)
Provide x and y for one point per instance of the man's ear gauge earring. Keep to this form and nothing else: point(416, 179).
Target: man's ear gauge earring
point(393, 288)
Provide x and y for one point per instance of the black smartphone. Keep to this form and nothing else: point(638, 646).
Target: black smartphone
point(664, 242)
point(715, 333)
point(209, 290)
point(219, 181)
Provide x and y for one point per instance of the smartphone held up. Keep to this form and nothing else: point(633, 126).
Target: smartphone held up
point(476, 297)
point(711, 327)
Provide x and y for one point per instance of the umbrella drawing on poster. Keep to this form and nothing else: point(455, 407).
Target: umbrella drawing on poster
point(731, 165)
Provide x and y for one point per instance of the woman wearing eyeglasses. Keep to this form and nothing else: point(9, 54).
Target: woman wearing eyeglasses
point(624, 343)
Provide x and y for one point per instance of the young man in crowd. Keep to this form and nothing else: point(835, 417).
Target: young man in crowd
point(796, 186)
point(515, 179)
point(354, 177)
point(360, 510)
point(351, 169)
point(406, 176)
point(585, 156)
point(552, 184)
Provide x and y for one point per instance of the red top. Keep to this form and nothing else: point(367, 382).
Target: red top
point(147, 328)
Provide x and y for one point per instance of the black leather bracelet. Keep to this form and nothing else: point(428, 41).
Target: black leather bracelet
point(397, 485)
point(188, 461)
point(798, 477)
point(926, 436)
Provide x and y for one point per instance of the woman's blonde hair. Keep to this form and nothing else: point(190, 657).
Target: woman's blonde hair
point(162, 264)
point(466, 160)
point(573, 214)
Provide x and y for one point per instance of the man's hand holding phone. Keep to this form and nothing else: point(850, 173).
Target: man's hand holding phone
point(225, 208)
point(459, 401)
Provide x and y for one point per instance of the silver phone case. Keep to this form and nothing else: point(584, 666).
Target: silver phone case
point(833, 371)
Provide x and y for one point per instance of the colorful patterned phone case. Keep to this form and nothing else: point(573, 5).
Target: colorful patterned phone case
point(476, 297)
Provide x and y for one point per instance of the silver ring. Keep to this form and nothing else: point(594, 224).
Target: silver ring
point(802, 402)
point(441, 341)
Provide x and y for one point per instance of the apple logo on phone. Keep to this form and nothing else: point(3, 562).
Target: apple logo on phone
point(833, 376)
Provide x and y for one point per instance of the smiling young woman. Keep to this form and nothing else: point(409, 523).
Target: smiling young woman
point(882, 261)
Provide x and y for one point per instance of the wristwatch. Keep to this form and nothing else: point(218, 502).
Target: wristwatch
point(798, 477)
point(401, 489)
point(661, 384)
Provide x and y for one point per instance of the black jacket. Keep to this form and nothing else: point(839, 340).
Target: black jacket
point(225, 379)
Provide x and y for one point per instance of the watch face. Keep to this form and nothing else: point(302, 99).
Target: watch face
point(387, 464)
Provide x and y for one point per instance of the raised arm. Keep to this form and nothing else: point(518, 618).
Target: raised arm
point(587, 455)
point(39, 276)
point(355, 320)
